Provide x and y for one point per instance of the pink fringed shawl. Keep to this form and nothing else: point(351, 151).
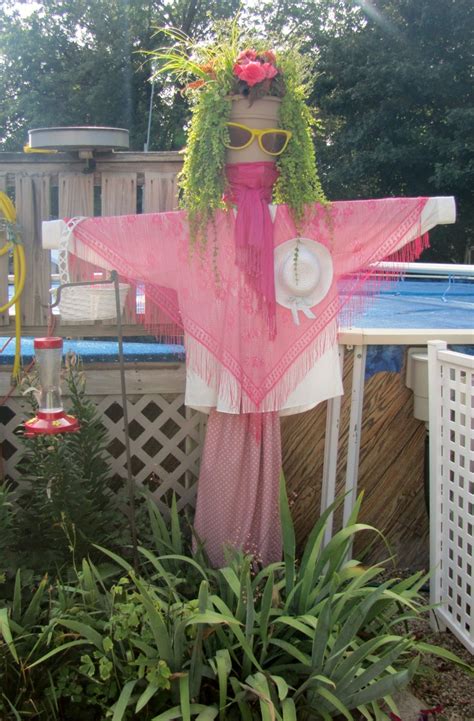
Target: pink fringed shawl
point(226, 329)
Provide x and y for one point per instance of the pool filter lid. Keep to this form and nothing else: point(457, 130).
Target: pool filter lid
point(81, 139)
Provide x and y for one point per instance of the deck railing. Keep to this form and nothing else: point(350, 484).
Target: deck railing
point(45, 187)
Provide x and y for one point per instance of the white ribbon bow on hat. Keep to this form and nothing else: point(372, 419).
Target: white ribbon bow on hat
point(296, 304)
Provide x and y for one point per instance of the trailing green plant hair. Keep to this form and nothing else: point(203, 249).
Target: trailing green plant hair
point(206, 74)
point(202, 180)
point(298, 183)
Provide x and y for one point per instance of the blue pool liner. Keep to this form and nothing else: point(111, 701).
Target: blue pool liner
point(102, 351)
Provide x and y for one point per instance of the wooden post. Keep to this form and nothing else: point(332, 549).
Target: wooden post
point(119, 197)
point(76, 194)
point(160, 192)
point(119, 193)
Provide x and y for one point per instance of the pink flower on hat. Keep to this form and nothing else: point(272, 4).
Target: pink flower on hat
point(251, 73)
point(270, 70)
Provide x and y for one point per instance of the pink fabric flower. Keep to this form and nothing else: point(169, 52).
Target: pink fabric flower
point(270, 70)
point(252, 73)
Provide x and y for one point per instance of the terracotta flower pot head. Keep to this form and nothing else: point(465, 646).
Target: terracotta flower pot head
point(260, 114)
point(255, 74)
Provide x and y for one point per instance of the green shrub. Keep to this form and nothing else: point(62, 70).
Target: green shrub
point(310, 639)
point(65, 489)
point(7, 531)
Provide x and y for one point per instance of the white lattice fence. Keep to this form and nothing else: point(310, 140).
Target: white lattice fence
point(165, 442)
point(165, 438)
point(11, 415)
point(451, 397)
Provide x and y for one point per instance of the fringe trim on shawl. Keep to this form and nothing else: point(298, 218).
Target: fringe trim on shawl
point(240, 394)
point(358, 291)
point(162, 318)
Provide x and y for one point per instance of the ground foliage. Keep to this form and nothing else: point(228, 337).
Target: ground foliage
point(86, 635)
point(313, 638)
point(442, 683)
point(393, 84)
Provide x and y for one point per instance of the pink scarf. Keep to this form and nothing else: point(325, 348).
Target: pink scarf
point(251, 190)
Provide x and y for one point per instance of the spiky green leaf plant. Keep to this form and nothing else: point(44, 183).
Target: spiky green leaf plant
point(315, 638)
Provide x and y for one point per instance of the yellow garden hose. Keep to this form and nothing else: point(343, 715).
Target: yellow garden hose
point(13, 245)
point(28, 149)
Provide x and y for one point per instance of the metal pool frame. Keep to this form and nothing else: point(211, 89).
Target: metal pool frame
point(358, 339)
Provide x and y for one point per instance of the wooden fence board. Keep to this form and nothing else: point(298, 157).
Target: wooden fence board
point(119, 193)
point(103, 379)
point(160, 192)
point(119, 197)
point(76, 194)
point(75, 198)
point(33, 206)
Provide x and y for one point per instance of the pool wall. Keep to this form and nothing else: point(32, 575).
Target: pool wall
point(391, 465)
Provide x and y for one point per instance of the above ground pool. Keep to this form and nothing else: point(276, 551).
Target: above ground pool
point(413, 303)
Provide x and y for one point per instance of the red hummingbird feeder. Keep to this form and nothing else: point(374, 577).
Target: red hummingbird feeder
point(51, 417)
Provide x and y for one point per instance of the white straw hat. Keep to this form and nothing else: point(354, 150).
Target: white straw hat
point(303, 275)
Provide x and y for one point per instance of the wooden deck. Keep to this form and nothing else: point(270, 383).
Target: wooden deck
point(56, 186)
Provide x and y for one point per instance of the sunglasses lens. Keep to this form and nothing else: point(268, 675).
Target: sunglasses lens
point(274, 142)
point(238, 137)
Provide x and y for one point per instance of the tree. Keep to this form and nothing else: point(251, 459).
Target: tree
point(393, 83)
point(83, 63)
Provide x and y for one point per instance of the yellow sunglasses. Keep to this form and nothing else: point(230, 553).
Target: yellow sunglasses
point(272, 141)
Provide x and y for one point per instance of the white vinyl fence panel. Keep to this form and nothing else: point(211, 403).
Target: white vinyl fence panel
point(451, 398)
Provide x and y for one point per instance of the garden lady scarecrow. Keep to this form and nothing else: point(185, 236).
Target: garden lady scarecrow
point(256, 288)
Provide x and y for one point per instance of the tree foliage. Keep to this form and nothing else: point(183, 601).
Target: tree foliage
point(83, 63)
point(393, 84)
